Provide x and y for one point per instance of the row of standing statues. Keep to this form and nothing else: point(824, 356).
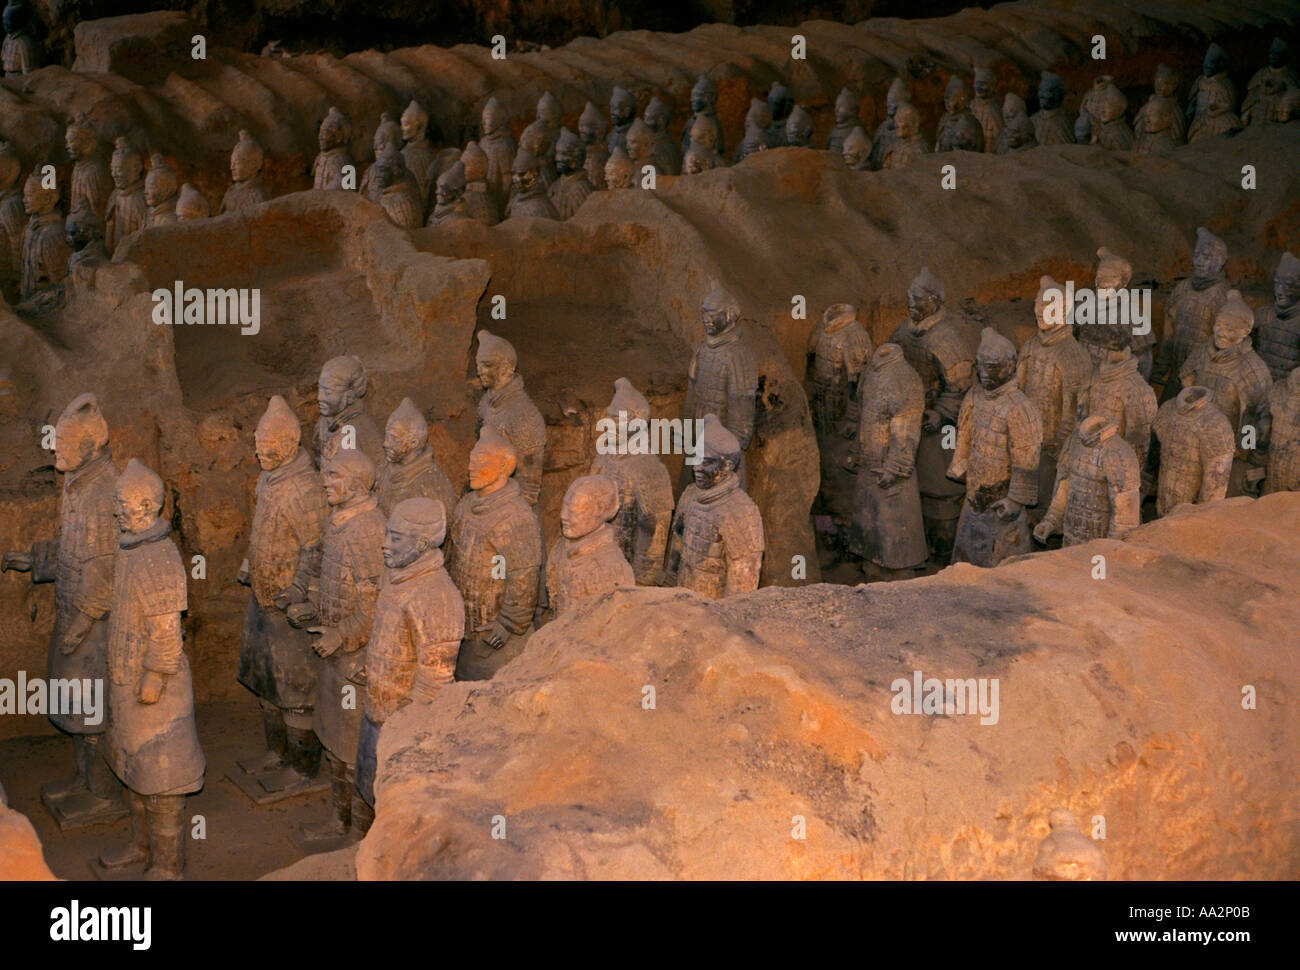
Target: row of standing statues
point(551, 171)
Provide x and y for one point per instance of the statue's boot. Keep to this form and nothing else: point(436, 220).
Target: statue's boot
point(58, 790)
point(303, 764)
point(277, 743)
point(336, 826)
point(101, 800)
point(137, 850)
point(166, 819)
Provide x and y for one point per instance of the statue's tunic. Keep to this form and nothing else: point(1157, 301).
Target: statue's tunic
point(1196, 448)
point(420, 477)
point(331, 434)
point(717, 539)
point(509, 412)
point(580, 570)
point(645, 510)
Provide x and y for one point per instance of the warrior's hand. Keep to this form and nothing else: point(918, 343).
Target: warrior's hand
point(329, 642)
point(1043, 531)
point(151, 687)
point(1006, 509)
point(18, 561)
point(886, 478)
point(497, 636)
point(242, 577)
point(931, 420)
point(288, 597)
point(300, 613)
point(75, 633)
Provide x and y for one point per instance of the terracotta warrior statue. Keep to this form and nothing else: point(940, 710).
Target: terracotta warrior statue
point(716, 545)
point(335, 133)
point(857, 150)
point(1118, 391)
point(1098, 488)
point(479, 204)
point(1238, 379)
point(645, 506)
point(1213, 99)
point(395, 189)
point(530, 198)
point(247, 187)
point(161, 188)
point(984, 106)
point(80, 564)
point(276, 661)
point(781, 102)
point(410, 469)
point(1166, 85)
point(641, 149)
point(450, 204)
point(701, 154)
point(1277, 327)
point(622, 112)
point(495, 557)
point(758, 122)
point(499, 146)
point(1067, 854)
point(92, 183)
point(343, 422)
point(1052, 370)
point(388, 135)
point(723, 376)
point(887, 529)
point(908, 142)
point(151, 743)
point(899, 93)
point(85, 238)
point(506, 408)
point(1191, 309)
point(1017, 131)
point(591, 130)
point(13, 220)
point(548, 113)
point(417, 154)
point(940, 346)
point(340, 609)
point(191, 204)
point(999, 438)
point(586, 561)
point(1051, 126)
point(840, 350)
point(799, 128)
point(418, 627)
point(956, 105)
point(536, 141)
point(665, 154)
point(1113, 274)
point(619, 173)
point(1269, 85)
point(1112, 131)
point(847, 117)
point(45, 251)
point(1282, 427)
point(572, 187)
point(21, 53)
point(1156, 132)
point(1196, 448)
point(704, 105)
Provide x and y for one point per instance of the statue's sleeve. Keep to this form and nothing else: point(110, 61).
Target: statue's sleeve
point(45, 561)
point(308, 528)
point(742, 536)
point(742, 391)
point(905, 427)
point(522, 548)
point(961, 454)
point(654, 497)
point(1123, 482)
point(163, 655)
point(162, 601)
point(1218, 445)
point(367, 568)
point(1025, 431)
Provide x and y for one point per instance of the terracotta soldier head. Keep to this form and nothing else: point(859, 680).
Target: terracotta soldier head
point(1286, 283)
point(416, 526)
point(495, 360)
point(1233, 322)
point(704, 95)
point(1049, 292)
point(780, 100)
point(591, 125)
point(589, 503)
point(984, 83)
point(343, 382)
point(1216, 60)
point(389, 167)
point(995, 361)
point(847, 107)
point(1113, 272)
point(619, 170)
point(622, 107)
point(1051, 91)
point(1158, 116)
point(37, 199)
point(1083, 128)
point(335, 130)
point(759, 115)
point(1208, 255)
point(857, 149)
point(1166, 81)
point(704, 132)
point(414, 122)
point(348, 476)
point(907, 121)
point(695, 160)
point(640, 142)
point(627, 402)
point(956, 96)
point(899, 94)
point(406, 432)
point(924, 296)
point(80, 139)
point(799, 128)
point(719, 309)
point(388, 133)
point(526, 171)
point(966, 134)
point(80, 434)
point(191, 204)
point(657, 115)
point(536, 139)
point(1112, 104)
point(719, 453)
point(548, 110)
point(125, 165)
point(137, 498)
point(246, 158)
point(493, 117)
point(474, 162)
point(570, 153)
point(491, 462)
point(82, 228)
point(451, 183)
point(277, 435)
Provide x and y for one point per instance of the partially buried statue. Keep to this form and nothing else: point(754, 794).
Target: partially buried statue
point(1156, 132)
point(704, 105)
point(780, 101)
point(247, 187)
point(887, 529)
point(499, 146)
point(85, 237)
point(1052, 370)
point(21, 53)
point(387, 136)
point(1191, 309)
point(530, 198)
point(1166, 85)
point(856, 151)
point(999, 438)
point(495, 557)
point(640, 149)
point(898, 94)
point(1112, 130)
point(701, 153)
point(840, 350)
point(450, 204)
point(799, 128)
point(419, 624)
point(151, 743)
point(956, 105)
point(717, 541)
point(417, 154)
point(478, 198)
point(344, 423)
point(92, 183)
point(1051, 126)
point(396, 190)
point(984, 106)
point(45, 250)
point(1017, 132)
point(1118, 391)
point(506, 408)
point(340, 610)
point(1268, 86)
point(758, 121)
point(284, 545)
point(619, 173)
point(722, 379)
point(127, 210)
point(940, 346)
point(908, 143)
point(586, 561)
point(1277, 326)
point(328, 168)
point(847, 112)
point(1213, 97)
point(80, 563)
point(1067, 854)
point(161, 187)
point(645, 491)
point(1098, 488)
point(410, 469)
point(591, 129)
point(191, 204)
point(536, 141)
point(571, 189)
point(622, 112)
point(1283, 435)
point(665, 154)
point(1196, 449)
